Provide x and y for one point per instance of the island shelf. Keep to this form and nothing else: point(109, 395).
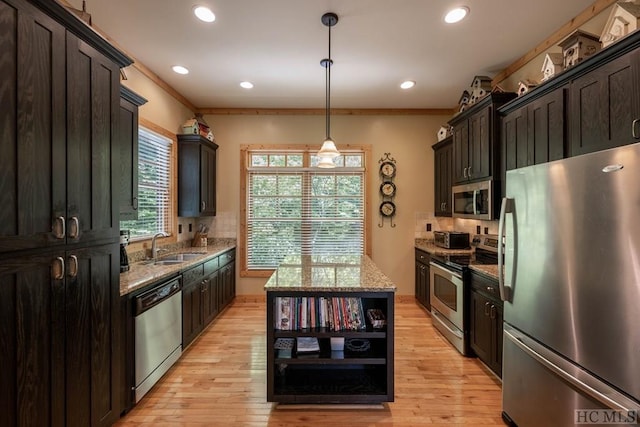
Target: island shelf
point(361, 374)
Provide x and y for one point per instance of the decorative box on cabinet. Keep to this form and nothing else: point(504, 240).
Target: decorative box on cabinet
point(486, 321)
point(442, 159)
point(196, 176)
point(476, 138)
point(422, 278)
point(127, 142)
point(60, 323)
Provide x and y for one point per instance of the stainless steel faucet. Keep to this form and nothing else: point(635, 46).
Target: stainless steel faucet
point(154, 246)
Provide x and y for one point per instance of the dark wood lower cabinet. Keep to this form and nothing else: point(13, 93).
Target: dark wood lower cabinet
point(422, 278)
point(486, 322)
point(60, 334)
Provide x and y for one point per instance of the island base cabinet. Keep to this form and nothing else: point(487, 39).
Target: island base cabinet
point(361, 373)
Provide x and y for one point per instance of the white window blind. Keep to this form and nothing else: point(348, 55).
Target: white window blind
point(292, 210)
point(154, 181)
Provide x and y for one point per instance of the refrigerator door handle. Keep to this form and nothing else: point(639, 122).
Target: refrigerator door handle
point(505, 290)
point(512, 335)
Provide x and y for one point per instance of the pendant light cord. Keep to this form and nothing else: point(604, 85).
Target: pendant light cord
point(328, 88)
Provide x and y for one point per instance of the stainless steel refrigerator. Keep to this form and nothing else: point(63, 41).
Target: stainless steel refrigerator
point(571, 290)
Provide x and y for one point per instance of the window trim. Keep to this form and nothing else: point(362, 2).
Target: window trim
point(245, 149)
point(142, 244)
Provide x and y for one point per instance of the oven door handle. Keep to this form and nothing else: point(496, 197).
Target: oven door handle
point(436, 316)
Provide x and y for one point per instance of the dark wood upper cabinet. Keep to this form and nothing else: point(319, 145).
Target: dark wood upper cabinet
point(127, 142)
point(604, 104)
point(476, 139)
point(196, 176)
point(443, 161)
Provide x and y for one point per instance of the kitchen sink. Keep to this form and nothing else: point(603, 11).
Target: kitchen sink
point(181, 257)
point(167, 262)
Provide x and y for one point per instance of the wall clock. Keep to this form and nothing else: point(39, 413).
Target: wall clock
point(388, 171)
point(387, 209)
point(388, 188)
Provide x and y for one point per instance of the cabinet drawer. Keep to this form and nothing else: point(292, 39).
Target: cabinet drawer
point(211, 266)
point(422, 256)
point(193, 274)
point(487, 287)
point(227, 257)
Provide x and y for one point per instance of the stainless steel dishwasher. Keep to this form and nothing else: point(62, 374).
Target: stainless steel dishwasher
point(158, 334)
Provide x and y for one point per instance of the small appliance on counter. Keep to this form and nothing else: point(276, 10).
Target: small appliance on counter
point(124, 258)
point(451, 239)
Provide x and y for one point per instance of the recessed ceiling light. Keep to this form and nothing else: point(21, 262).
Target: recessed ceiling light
point(204, 14)
point(180, 69)
point(456, 15)
point(246, 85)
point(407, 84)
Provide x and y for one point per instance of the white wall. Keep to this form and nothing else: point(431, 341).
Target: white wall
point(408, 139)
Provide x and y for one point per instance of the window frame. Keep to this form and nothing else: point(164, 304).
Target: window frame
point(142, 243)
point(247, 149)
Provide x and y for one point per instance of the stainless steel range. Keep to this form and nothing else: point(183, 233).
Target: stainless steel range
point(449, 289)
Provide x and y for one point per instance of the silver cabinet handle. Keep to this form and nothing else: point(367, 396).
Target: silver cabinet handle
point(464, 172)
point(203, 205)
point(486, 308)
point(469, 171)
point(445, 206)
point(135, 203)
point(493, 312)
point(73, 267)
point(59, 227)
point(74, 228)
point(633, 129)
point(58, 268)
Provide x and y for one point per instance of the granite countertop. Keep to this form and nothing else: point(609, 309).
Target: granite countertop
point(344, 273)
point(488, 270)
point(429, 247)
point(141, 274)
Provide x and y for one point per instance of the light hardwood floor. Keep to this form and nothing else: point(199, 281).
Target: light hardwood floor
point(220, 381)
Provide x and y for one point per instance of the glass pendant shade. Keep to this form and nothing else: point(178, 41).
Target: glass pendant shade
point(328, 149)
point(326, 163)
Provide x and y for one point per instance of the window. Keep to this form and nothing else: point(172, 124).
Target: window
point(154, 172)
point(294, 208)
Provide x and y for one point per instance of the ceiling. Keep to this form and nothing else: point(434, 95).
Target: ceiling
point(278, 45)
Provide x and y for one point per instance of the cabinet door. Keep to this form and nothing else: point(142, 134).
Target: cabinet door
point(546, 128)
point(32, 380)
point(127, 142)
point(480, 149)
point(207, 181)
point(481, 326)
point(497, 330)
point(191, 312)
point(93, 341)
point(442, 180)
point(93, 94)
point(207, 307)
point(32, 128)
point(460, 152)
point(514, 139)
point(602, 106)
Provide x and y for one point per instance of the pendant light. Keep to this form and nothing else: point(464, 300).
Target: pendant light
point(328, 152)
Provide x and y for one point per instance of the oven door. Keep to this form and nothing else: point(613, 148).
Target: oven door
point(473, 200)
point(447, 306)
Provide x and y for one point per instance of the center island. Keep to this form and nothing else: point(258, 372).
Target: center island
point(329, 331)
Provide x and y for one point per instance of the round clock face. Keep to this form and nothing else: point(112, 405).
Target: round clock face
point(387, 169)
point(387, 209)
point(388, 189)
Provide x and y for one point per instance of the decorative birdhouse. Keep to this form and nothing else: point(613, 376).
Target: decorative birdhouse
point(445, 131)
point(190, 127)
point(552, 65)
point(525, 86)
point(624, 19)
point(578, 46)
point(480, 86)
point(464, 101)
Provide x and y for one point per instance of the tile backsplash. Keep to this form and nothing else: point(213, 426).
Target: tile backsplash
point(223, 225)
point(438, 223)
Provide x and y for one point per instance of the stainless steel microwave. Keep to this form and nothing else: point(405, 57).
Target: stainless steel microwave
point(473, 200)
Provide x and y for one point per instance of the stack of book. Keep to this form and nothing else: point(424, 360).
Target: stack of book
point(335, 313)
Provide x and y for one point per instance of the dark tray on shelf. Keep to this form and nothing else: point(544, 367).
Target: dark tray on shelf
point(298, 380)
